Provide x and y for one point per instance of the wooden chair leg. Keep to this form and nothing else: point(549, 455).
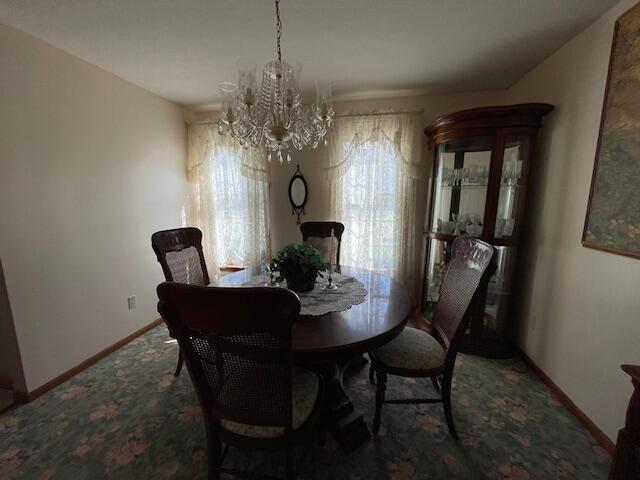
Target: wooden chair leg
point(381, 388)
point(180, 362)
point(446, 402)
point(214, 454)
point(322, 435)
point(291, 475)
point(436, 385)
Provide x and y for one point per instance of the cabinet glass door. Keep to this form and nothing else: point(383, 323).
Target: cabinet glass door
point(462, 175)
point(499, 293)
point(515, 166)
point(439, 253)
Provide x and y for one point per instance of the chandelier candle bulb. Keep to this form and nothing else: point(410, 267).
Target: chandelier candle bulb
point(273, 116)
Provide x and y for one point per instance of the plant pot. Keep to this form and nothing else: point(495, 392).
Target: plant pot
point(299, 265)
point(300, 284)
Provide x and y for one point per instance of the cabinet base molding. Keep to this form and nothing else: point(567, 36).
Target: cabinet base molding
point(489, 348)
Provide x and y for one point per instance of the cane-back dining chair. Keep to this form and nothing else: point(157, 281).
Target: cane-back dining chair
point(237, 347)
point(179, 252)
point(416, 353)
point(318, 235)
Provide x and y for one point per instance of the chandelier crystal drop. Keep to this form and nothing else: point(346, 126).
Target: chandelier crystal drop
point(274, 116)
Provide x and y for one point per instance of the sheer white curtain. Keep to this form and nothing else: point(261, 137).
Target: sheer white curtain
point(374, 167)
point(229, 199)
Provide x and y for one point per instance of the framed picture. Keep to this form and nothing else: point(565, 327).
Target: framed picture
point(613, 214)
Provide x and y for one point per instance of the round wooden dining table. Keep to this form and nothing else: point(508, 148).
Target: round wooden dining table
point(330, 343)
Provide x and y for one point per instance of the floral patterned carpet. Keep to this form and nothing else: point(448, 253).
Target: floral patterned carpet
point(128, 418)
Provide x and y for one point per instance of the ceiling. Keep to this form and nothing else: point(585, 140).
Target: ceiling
point(183, 49)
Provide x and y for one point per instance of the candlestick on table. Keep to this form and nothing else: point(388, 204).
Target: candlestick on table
point(332, 262)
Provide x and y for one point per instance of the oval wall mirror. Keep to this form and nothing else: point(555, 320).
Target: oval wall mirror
point(298, 193)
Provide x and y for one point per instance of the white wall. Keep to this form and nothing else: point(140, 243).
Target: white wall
point(90, 167)
point(581, 310)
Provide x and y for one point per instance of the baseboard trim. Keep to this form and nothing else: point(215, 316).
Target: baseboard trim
point(598, 434)
point(26, 397)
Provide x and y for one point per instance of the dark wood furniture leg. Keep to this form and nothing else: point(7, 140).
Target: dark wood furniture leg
point(372, 373)
point(446, 401)
point(214, 452)
point(436, 385)
point(344, 422)
point(626, 463)
point(180, 363)
point(380, 394)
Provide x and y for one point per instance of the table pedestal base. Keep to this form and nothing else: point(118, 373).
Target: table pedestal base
point(346, 424)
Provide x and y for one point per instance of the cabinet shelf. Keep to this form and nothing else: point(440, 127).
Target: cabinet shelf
point(480, 186)
point(450, 237)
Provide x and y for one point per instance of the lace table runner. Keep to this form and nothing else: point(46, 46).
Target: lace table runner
point(320, 301)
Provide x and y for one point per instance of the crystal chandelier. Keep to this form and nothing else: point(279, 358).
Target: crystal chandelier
point(274, 117)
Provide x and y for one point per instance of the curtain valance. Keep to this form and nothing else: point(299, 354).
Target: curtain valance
point(203, 139)
point(402, 130)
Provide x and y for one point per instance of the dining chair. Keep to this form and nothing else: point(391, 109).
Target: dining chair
point(416, 353)
point(318, 234)
point(237, 347)
point(179, 252)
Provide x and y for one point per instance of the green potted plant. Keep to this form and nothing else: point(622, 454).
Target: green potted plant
point(300, 264)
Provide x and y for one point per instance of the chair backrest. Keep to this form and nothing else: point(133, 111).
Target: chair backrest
point(179, 252)
point(236, 343)
point(468, 268)
point(318, 234)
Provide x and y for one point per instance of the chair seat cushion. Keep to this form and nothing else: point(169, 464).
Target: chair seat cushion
point(305, 387)
point(413, 349)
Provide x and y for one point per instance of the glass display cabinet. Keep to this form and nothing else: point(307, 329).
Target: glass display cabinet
point(483, 157)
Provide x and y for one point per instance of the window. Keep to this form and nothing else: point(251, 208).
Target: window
point(228, 199)
point(368, 207)
point(374, 166)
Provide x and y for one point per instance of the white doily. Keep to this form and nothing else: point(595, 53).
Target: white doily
point(320, 301)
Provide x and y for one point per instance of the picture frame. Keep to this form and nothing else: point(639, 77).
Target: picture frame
point(612, 222)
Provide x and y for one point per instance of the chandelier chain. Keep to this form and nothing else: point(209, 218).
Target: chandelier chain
point(278, 30)
point(273, 116)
